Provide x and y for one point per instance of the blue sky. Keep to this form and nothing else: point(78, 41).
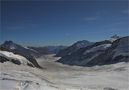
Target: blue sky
point(62, 22)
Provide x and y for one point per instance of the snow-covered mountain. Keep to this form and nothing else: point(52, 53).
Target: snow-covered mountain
point(73, 48)
point(20, 50)
point(14, 58)
point(118, 52)
point(100, 53)
point(11, 46)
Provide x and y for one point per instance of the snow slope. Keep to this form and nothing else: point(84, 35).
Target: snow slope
point(13, 77)
point(99, 47)
point(20, 50)
point(57, 76)
point(10, 56)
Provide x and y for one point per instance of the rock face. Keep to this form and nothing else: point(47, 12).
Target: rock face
point(3, 59)
point(20, 50)
point(73, 48)
point(100, 53)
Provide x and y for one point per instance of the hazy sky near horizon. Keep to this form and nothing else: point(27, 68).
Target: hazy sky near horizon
point(63, 22)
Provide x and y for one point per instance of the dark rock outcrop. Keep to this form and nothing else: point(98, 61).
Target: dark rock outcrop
point(3, 59)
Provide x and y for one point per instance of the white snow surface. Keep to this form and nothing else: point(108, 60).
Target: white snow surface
point(10, 55)
point(56, 76)
point(113, 39)
point(100, 47)
point(31, 49)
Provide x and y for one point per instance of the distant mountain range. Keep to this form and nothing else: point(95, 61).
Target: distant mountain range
point(47, 49)
point(100, 53)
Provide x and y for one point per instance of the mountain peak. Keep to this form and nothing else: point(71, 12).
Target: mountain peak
point(8, 42)
point(81, 43)
point(73, 48)
point(114, 37)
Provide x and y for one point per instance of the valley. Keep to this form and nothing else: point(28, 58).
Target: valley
point(56, 76)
